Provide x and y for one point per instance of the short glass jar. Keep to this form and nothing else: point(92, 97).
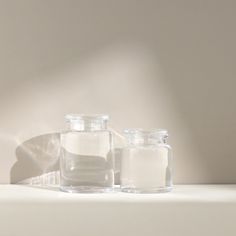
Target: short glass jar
point(86, 161)
point(146, 162)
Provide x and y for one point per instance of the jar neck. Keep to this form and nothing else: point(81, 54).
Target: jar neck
point(144, 141)
point(88, 125)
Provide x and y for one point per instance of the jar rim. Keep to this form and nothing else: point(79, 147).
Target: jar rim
point(143, 132)
point(73, 117)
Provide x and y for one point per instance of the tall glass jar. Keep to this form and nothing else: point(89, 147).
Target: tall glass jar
point(86, 162)
point(146, 162)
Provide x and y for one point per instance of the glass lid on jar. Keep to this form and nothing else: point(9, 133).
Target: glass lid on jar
point(141, 136)
point(79, 117)
point(83, 122)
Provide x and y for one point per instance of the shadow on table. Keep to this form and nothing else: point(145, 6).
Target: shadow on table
point(35, 157)
point(38, 160)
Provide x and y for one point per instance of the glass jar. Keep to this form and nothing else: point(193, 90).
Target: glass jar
point(146, 162)
point(86, 161)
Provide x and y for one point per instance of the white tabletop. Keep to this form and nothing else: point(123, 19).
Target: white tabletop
point(189, 210)
point(180, 193)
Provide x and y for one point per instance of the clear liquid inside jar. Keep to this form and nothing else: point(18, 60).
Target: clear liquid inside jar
point(86, 161)
point(146, 162)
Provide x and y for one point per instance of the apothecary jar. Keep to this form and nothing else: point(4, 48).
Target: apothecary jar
point(86, 162)
point(146, 162)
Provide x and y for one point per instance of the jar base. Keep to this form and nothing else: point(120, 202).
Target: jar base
point(146, 190)
point(86, 189)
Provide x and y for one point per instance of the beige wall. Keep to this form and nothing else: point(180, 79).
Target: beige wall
point(166, 64)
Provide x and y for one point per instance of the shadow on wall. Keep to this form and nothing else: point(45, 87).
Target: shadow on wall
point(36, 156)
point(40, 155)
